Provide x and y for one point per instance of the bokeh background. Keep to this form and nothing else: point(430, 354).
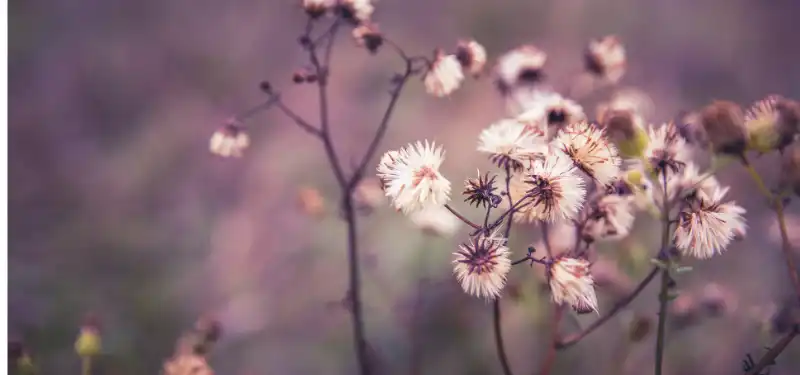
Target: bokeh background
point(117, 207)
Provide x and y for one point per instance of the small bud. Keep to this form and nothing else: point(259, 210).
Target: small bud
point(772, 123)
point(265, 86)
point(298, 77)
point(368, 35)
point(88, 343)
point(724, 126)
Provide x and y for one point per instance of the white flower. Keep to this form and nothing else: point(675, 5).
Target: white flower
point(510, 145)
point(707, 227)
point(482, 264)
point(317, 8)
point(551, 111)
point(414, 181)
point(436, 220)
point(556, 191)
point(611, 219)
point(520, 66)
point(666, 150)
point(386, 166)
point(229, 141)
point(356, 10)
point(691, 183)
point(444, 77)
point(590, 150)
point(605, 57)
point(472, 56)
point(571, 283)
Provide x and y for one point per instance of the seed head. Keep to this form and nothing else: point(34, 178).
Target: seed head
point(444, 76)
point(480, 191)
point(482, 264)
point(724, 125)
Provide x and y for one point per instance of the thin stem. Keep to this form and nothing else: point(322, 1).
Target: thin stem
point(621, 304)
point(355, 283)
point(302, 123)
point(496, 316)
point(777, 204)
point(550, 359)
point(663, 295)
point(86, 365)
point(770, 356)
point(461, 217)
point(250, 112)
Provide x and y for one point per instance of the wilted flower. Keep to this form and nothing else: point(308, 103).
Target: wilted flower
point(571, 283)
point(414, 181)
point(482, 264)
point(480, 191)
point(520, 66)
point(666, 150)
point(772, 123)
point(610, 219)
point(590, 151)
point(724, 127)
point(605, 57)
point(229, 141)
point(187, 364)
point(472, 56)
point(510, 145)
point(556, 191)
point(436, 221)
point(707, 226)
point(368, 35)
point(311, 201)
point(317, 8)
point(356, 11)
point(552, 111)
point(445, 75)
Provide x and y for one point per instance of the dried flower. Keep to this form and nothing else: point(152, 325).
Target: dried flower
point(187, 364)
point(590, 151)
point(436, 221)
point(414, 181)
point(444, 76)
point(707, 226)
point(691, 184)
point(229, 141)
point(610, 219)
point(556, 191)
point(368, 35)
point(571, 283)
point(552, 111)
point(666, 150)
point(480, 191)
point(509, 145)
point(317, 8)
point(605, 57)
point(311, 202)
point(482, 264)
point(724, 126)
point(521, 66)
point(472, 56)
point(772, 123)
point(355, 11)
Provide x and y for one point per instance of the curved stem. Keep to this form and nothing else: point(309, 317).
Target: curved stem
point(769, 357)
point(777, 204)
point(462, 217)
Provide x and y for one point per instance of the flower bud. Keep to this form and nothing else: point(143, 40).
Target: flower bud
point(724, 126)
point(368, 35)
point(88, 343)
point(772, 123)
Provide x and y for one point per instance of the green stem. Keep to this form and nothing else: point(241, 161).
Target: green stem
point(86, 365)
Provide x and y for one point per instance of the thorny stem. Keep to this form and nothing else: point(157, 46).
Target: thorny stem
point(777, 203)
point(663, 295)
point(496, 316)
point(770, 356)
point(621, 304)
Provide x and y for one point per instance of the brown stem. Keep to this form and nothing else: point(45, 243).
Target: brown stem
point(550, 359)
point(496, 317)
point(462, 217)
point(770, 356)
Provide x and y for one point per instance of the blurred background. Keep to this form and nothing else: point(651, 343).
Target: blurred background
point(117, 207)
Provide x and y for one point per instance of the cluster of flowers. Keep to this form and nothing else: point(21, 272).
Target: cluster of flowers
point(593, 175)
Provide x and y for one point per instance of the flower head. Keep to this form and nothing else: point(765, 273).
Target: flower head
point(724, 127)
point(444, 76)
point(482, 264)
point(510, 145)
point(707, 226)
point(436, 221)
point(552, 112)
point(666, 150)
point(590, 151)
point(772, 123)
point(369, 36)
point(691, 184)
point(480, 191)
point(571, 283)
point(472, 56)
point(229, 141)
point(413, 182)
point(356, 11)
point(317, 8)
point(521, 66)
point(556, 191)
point(605, 57)
point(610, 218)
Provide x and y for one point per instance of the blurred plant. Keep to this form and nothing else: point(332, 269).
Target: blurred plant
point(19, 359)
point(88, 344)
point(558, 168)
point(193, 347)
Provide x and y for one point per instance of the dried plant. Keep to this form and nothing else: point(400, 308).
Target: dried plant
point(556, 167)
